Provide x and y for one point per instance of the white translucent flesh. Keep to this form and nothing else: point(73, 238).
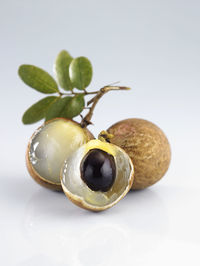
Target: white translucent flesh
point(52, 145)
point(74, 185)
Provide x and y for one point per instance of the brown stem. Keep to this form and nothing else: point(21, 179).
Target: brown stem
point(87, 119)
point(77, 93)
point(60, 94)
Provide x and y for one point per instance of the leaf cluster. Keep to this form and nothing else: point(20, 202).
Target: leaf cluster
point(71, 73)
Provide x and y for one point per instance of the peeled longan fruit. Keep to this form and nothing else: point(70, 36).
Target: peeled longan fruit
point(50, 145)
point(147, 146)
point(97, 175)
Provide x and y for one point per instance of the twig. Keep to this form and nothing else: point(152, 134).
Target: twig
point(77, 93)
point(87, 119)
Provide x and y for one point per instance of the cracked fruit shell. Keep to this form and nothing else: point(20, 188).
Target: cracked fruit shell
point(49, 147)
point(97, 175)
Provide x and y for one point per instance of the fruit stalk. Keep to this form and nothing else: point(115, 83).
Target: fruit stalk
point(87, 119)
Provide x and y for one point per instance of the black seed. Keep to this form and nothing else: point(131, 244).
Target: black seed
point(98, 170)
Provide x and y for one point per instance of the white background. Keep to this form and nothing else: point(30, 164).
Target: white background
point(151, 46)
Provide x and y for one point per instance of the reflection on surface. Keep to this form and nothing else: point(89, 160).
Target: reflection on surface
point(128, 232)
point(41, 227)
point(40, 259)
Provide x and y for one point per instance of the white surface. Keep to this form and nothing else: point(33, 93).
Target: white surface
point(157, 226)
point(152, 46)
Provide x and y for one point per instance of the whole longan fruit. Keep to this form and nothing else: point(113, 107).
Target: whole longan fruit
point(147, 146)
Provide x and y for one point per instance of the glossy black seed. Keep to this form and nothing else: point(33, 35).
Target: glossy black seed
point(98, 170)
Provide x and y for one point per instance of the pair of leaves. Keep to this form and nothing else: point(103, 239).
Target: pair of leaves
point(73, 73)
point(52, 107)
point(67, 107)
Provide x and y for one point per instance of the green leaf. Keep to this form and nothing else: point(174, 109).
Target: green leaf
point(58, 108)
point(62, 63)
point(37, 79)
point(38, 111)
point(80, 72)
point(67, 107)
point(75, 106)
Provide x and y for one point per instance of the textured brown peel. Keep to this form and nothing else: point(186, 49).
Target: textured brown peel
point(147, 146)
point(39, 179)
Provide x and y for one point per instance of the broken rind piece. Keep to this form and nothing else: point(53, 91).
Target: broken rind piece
point(48, 148)
point(100, 168)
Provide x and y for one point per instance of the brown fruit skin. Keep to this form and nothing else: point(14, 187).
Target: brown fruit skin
point(39, 179)
point(147, 146)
